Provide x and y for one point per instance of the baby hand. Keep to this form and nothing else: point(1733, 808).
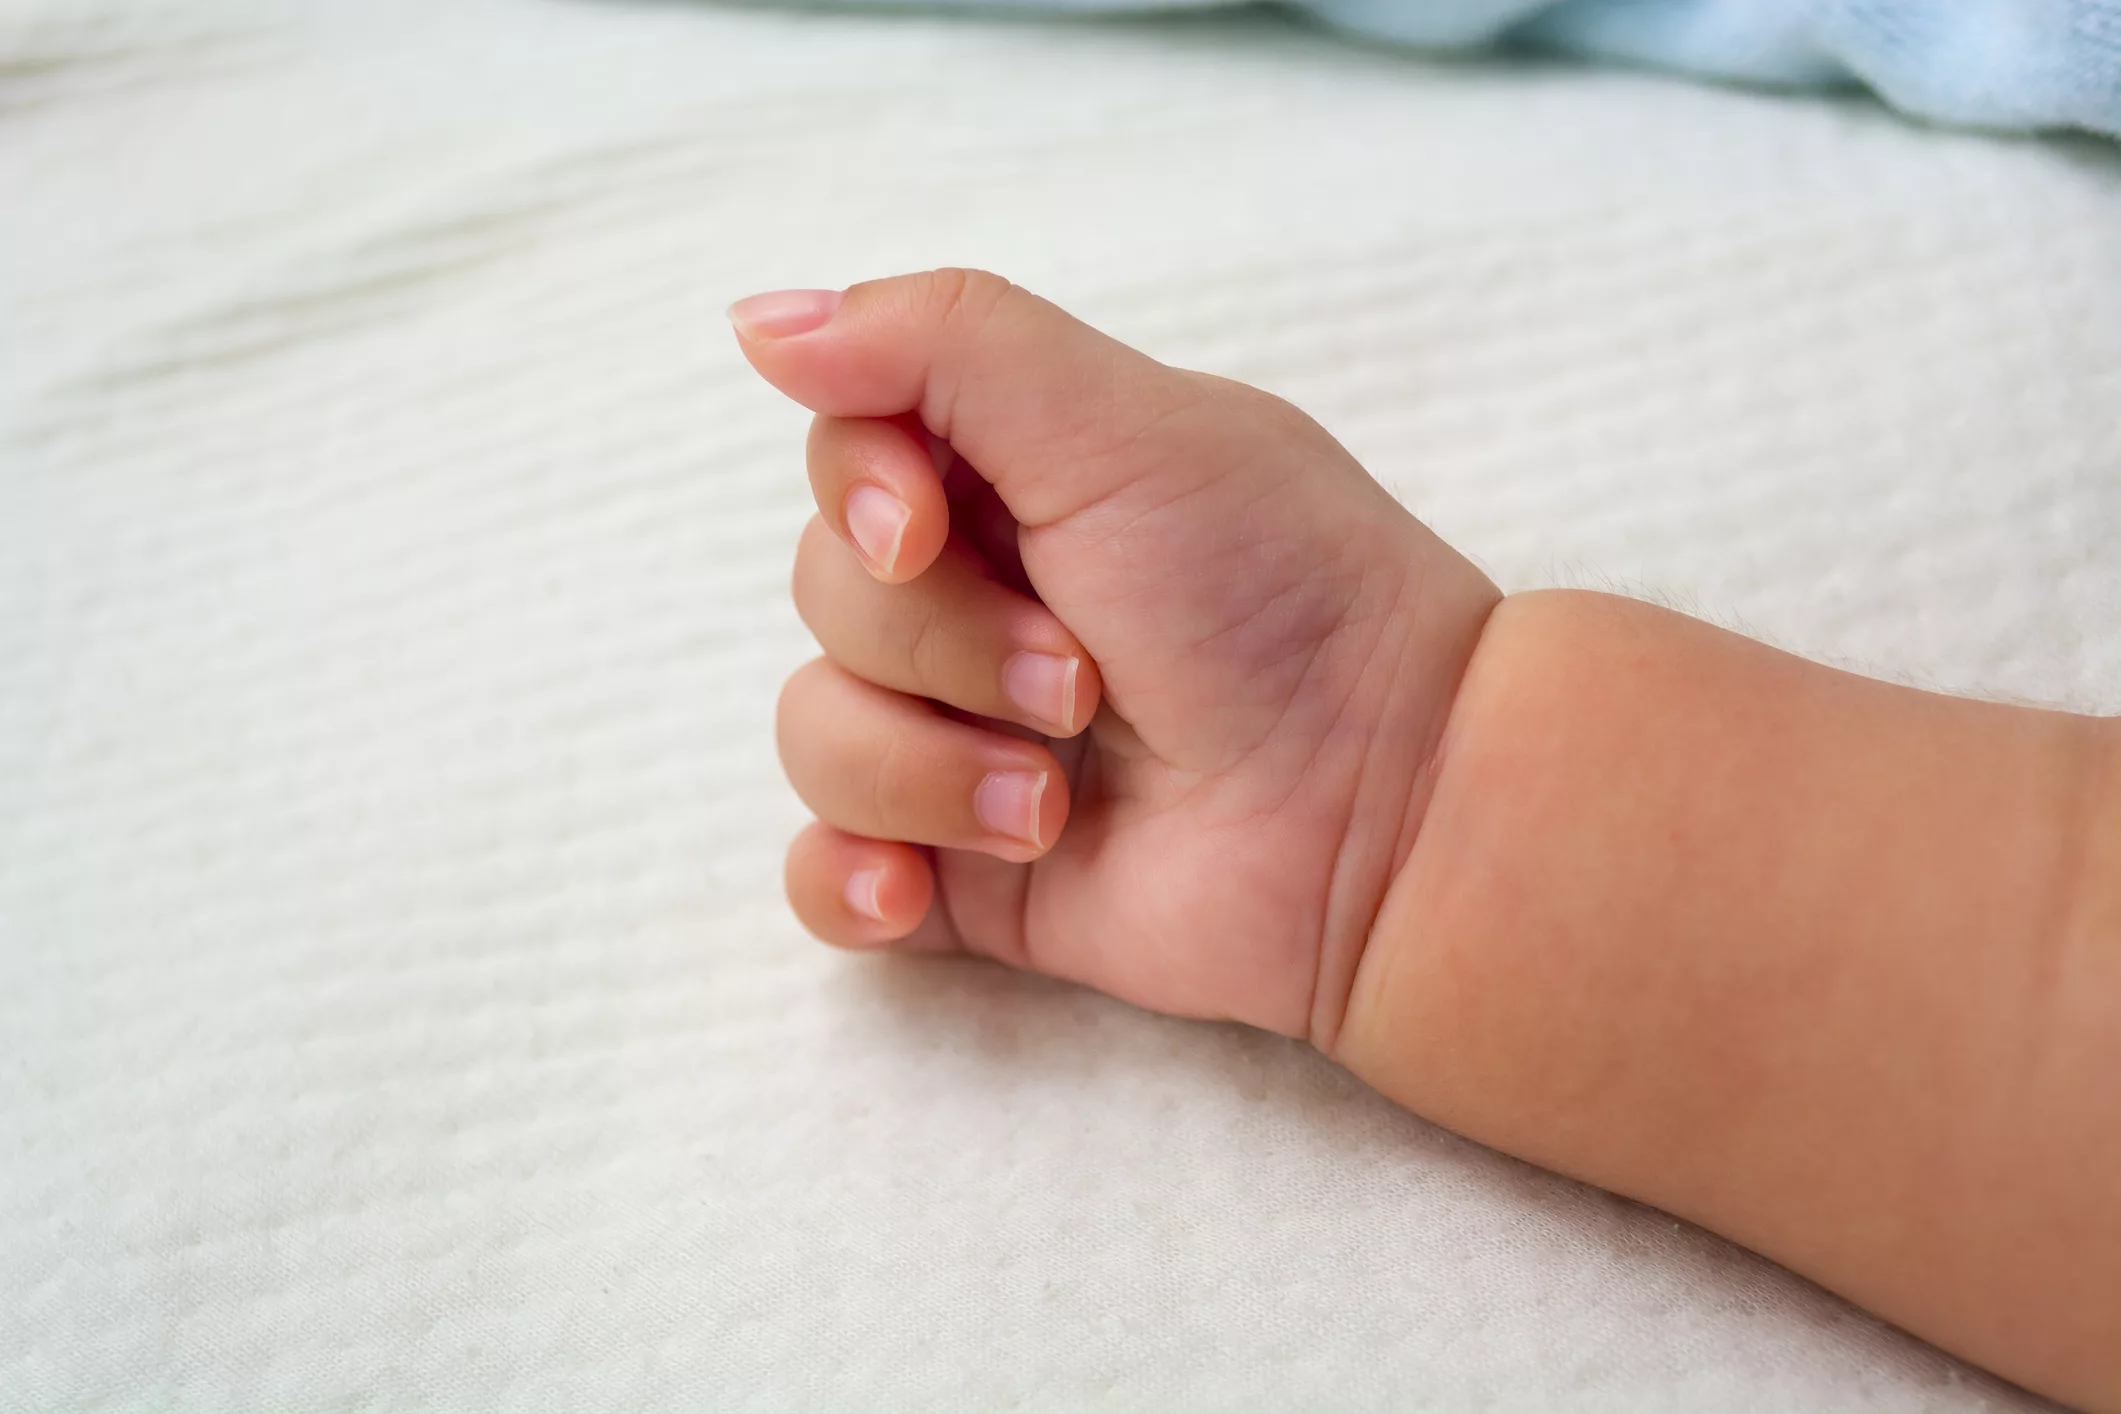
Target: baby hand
point(1132, 676)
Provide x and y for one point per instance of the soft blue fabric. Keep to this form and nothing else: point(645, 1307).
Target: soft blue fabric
point(1988, 63)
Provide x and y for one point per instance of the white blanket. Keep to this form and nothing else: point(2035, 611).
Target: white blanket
point(397, 1008)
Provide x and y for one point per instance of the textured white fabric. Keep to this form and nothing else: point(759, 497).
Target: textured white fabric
point(398, 1010)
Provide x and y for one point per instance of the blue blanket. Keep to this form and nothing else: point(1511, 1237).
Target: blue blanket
point(2020, 64)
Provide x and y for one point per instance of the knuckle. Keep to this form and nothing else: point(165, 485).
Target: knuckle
point(796, 868)
point(834, 452)
point(963, 299)
point(923, 645)
point(889, 785)
point(1270, 413)
point(1298, 427)
point(822, 451)
point(788, 707)
point(806, 580)
point(824, 429)
point(961, 303)
point(1279, 414)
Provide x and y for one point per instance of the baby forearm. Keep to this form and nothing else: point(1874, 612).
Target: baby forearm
point(1830, 966)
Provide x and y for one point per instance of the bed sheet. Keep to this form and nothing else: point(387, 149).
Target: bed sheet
point(398, 1006)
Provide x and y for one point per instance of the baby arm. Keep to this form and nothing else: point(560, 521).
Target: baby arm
point(1829, 966)
point(1133, 676)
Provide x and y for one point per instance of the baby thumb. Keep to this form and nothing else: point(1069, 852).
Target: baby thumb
point(1038, 401)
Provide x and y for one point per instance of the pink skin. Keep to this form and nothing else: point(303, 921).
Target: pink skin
point(1240, 802)
point(1134, 677)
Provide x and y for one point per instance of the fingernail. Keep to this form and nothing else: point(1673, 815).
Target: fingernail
point(863, 887)
point(1007, 803)
point(1043, 685)
point(877, 521)
point(782, 314)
